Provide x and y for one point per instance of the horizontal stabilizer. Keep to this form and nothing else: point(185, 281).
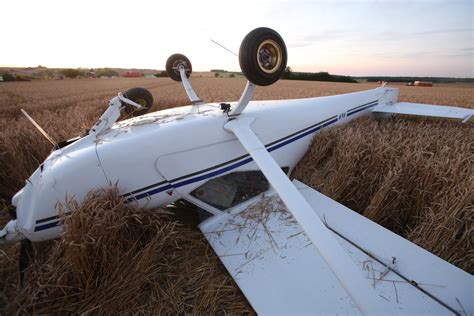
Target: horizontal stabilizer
point(426, 110)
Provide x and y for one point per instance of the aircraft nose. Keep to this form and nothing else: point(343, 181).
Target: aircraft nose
point(27, 205)
point(16, 198)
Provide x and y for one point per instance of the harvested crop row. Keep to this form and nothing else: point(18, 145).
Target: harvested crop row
point(414, 176)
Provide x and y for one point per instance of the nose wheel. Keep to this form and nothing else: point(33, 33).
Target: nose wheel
point(140, 96)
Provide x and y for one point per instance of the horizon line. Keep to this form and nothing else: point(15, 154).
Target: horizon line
point(235, 71)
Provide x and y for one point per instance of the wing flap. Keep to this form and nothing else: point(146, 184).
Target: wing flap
point(425, 110)
point(274, 264)
point(438, 280)
point(280, 271)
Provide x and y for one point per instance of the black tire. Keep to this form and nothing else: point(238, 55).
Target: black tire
point(263, 56)
point(172, 64)
point(141, 96)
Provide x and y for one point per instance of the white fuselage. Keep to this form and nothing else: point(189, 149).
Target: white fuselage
point(160, 157)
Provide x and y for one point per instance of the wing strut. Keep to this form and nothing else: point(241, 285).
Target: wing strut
point(329, 248)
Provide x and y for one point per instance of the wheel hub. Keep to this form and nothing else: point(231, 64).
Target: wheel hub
point(180, 63)
point(142, 102)
point(269, 56)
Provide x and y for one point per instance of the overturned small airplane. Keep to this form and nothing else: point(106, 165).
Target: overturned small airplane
point(290, 249)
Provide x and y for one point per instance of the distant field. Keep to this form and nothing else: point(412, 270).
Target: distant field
point(414, 176)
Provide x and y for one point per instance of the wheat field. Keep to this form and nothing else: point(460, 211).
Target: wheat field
point(413, 176)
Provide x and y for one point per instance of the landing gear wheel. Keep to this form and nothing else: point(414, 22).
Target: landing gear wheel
point(174, 62)
point(141, 96)
point(263, 56)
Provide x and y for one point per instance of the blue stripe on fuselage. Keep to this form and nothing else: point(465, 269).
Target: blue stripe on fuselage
point(212, 174)
point(46, 226)
point(163, 186)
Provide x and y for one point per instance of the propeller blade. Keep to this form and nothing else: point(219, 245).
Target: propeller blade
point(42, 131)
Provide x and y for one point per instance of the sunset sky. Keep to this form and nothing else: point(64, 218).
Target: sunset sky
point(353, 37)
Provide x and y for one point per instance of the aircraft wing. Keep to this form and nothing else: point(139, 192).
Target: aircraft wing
point(296, 251)
point(425, 110)
point(281, 272)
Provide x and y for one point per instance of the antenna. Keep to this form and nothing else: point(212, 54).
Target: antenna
point(224, 47)
point(42, 131)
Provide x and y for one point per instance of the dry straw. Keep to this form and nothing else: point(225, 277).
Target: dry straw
point(414, 176)
point(113, 258)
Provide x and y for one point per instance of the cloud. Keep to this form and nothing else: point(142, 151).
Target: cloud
point(428, 54)
point(442, 31)
point(391, 35)
point(300, 44)
point(322, 36)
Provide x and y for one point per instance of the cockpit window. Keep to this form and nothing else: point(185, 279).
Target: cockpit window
point(231, 189)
